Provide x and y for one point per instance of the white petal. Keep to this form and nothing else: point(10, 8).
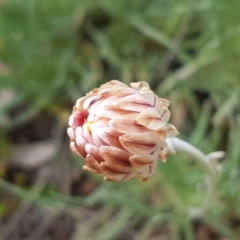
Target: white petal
point(165, 102)
point(171, 130)
point(164, 113)
point(148, 95)
point(139, 85)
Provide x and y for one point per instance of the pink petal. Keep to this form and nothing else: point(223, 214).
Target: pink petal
point(149, 118)
point(96, 130)
point(166, 130)
point(94, 152)
point(143, 179)
point(79, 150)
point(163, 154)
point(79, 103)
point(134, 102)
point(140, 162)
point(80, 145)
point(93, 163)
point(110, 136)
point(91, 128)
point(109, 101)
point(93, 170)
point(89, 101)
point(79, 131)
point(120, 177)
point(98, 141)
point(139, 143)
point(97, 122)
point(161, 131)
point(112, 111)
point(108, 171)
point(113, 155)
point(148, 171)
point(116, 92)
point(94, 108)
point(87, 134)
point(77, 119)
point(114, 95)
point(114, 169)
point(127, 124)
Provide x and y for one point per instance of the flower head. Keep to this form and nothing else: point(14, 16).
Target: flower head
point(121, 131)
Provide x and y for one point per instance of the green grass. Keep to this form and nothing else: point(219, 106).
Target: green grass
point(53, 52)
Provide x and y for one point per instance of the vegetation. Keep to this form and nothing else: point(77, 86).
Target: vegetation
point(53, 52)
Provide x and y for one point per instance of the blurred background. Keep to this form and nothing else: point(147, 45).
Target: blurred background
point(54, 52)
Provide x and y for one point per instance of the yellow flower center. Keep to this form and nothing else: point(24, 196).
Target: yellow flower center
point(89, 127)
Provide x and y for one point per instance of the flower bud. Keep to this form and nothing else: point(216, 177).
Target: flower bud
point(121, 131)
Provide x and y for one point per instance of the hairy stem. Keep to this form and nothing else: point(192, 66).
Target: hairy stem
point(206, 161)
point(180, 146)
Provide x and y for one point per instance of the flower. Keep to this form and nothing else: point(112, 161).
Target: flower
point(121, 131)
